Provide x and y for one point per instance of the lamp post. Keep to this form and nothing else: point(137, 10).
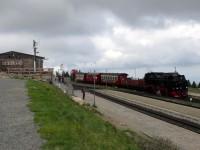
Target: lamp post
point(135, 73)
point(94, 104)
point(106, 78)
point(94, 78)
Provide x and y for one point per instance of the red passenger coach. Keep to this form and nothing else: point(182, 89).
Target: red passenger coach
point(90, 77)
point(113, 78)
point(80, 77)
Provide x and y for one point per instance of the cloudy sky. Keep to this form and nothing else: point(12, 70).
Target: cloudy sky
point(133, 36)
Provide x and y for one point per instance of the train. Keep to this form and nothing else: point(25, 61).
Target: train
point(163, 84)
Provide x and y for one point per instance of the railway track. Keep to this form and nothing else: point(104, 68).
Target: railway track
point(195, 97)
point(181, 115)
point(189, 120)
point(195, 103)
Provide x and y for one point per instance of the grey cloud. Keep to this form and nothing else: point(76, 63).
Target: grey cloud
point(136, 12)
point(48, 18)
point(171, 52)
point(69, 50)
point(63, 17)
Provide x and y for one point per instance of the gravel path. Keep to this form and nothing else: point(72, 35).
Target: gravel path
point(17, 130)
point(136, 121)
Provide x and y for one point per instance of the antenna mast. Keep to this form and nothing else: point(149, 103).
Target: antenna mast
point(34, 50)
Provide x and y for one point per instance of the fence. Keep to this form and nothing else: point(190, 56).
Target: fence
point(40, 74)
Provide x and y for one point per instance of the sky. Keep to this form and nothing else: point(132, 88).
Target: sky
point(132, 36)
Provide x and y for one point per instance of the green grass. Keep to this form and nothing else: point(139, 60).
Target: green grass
point(65, 125)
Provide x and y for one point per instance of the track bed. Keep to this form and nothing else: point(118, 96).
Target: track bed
point(184, 110)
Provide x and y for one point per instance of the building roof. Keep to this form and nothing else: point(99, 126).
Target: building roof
point(19, 53)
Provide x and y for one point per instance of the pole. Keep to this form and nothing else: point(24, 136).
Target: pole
point(34, 61)
point(94, 93)
point(135, 73)
point(106, 78)
point(94, 77)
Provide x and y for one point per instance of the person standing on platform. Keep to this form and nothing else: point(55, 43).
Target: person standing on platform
point(83, 92)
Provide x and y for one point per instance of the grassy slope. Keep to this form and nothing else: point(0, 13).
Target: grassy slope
point(66, 125)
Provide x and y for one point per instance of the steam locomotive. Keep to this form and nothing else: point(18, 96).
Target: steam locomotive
point(159, 83)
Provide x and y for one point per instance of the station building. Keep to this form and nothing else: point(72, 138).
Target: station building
point(15, 60)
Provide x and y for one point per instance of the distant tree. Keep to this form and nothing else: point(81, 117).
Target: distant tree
point(57, 73)
point(66, 74)
point(199, 85)
point(189, 84)
point(194, 85)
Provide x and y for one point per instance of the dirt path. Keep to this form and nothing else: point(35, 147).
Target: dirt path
point(17, 130)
